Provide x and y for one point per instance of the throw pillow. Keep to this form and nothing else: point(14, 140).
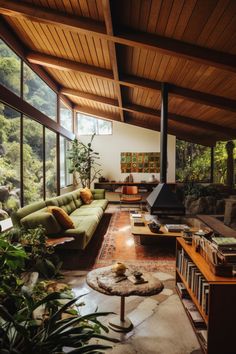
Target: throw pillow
point(86, 195)
point(62, 217)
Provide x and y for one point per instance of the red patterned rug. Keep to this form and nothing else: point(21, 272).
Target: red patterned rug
point(114, 242)
point(119, 244)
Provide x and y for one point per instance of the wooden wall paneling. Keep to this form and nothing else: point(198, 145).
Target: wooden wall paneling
point(177, 7)
point(145, 7)
point(199, 18)
point(154, 14)
point(163, 16)
point(17, 25)
point(113, 53)
point(223, 29)
point(76, 9)
point(93, 10)
point(215, 18)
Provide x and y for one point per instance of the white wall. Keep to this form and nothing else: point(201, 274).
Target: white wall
point(129, 138)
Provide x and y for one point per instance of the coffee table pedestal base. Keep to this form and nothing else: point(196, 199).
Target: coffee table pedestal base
point(117, 325)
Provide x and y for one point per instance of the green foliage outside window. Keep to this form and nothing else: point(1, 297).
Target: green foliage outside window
point(10, 65)
point(193, 162)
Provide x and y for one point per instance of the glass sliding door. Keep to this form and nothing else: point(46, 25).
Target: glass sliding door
point(32, 160)
point(50, 163)
point(9, 161)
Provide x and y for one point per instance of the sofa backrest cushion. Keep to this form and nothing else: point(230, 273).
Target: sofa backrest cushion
point(66, 202)
point(62, 217)
point(86, 195)
point(27, 210)
point(44, 218)
point(77, 199)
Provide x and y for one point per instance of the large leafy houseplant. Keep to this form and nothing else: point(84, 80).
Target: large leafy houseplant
point(84, 165)
point(33, 320)
point(26, 332)
point(40, 257)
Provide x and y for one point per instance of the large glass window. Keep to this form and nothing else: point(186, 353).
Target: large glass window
point(87, 125)
point(10, 72)
point(193, 162)
point(9, 160)
point(62, 162)
point(32, 160)
point(66, 178)
point(66, 120)
point(38, 93)
point(51, 163)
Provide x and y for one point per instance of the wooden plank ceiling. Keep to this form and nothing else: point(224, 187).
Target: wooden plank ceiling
point(110, 58)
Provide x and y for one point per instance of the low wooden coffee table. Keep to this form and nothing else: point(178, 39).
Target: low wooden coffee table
point(104, 281)
point(147, 235)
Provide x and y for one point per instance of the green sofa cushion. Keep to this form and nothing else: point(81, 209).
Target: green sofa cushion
point(98, 193)
point(66, 202)
point(98, 212)
point(47, 220)
point(85, 227)
point(28, 209)
point(102, 203)
point(77, 199)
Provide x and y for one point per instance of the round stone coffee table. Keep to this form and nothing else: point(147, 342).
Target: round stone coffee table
point(104, 281)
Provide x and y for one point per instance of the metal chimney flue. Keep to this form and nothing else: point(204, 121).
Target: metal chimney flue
point(162, 200)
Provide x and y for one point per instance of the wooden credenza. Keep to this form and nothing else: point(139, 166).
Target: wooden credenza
point(112, 186)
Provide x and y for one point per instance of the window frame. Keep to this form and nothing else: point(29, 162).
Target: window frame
point(96, 119)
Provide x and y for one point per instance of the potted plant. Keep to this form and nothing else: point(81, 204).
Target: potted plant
point(84, 165)
point(48, 331)
point(40, 257)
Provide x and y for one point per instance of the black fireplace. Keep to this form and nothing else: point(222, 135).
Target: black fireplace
point(162, 200)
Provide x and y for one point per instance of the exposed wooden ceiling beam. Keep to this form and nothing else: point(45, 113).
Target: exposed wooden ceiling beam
point(207, 141)
point(96, 113)
point(40, 14)
point(68, 65)
point(133, 81)
point(222, 132)
point(89, 96)
point(127, 37)
point(191, 95)
point(113, 54)
point(177, 48)
point(202, 140)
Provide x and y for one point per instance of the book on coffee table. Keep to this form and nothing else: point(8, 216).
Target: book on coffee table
point(137, 281)
point(176, 227)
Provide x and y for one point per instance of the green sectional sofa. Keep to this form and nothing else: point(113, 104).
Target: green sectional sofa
point(86, 217)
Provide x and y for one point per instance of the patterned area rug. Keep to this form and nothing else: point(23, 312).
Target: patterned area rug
point(119, 244)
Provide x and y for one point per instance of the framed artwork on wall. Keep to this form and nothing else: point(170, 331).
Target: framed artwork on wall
point(142, 162)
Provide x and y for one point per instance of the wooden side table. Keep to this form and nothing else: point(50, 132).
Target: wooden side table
point(104, 280)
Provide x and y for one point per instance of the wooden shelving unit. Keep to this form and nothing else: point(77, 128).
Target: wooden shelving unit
point(221, 312)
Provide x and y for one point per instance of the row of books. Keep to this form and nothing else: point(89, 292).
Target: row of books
point(218, 251)
point(194, 313)
point(194, 278)
point(225, 248)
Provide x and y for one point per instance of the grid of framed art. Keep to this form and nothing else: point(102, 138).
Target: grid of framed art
point(142, 162)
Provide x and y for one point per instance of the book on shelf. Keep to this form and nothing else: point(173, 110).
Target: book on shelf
point(193, 312)
point(224, 243)
point(176, 227)
point(182, 290)
point(226, 257)
point(202, 334)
